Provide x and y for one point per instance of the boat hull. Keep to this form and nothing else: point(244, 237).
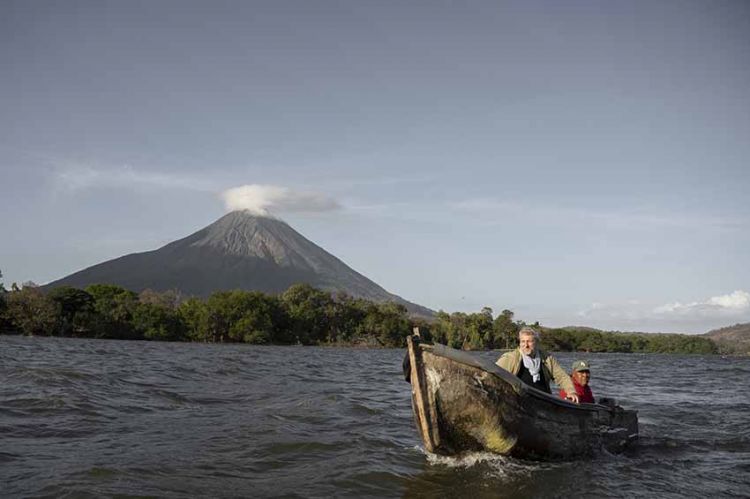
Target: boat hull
point(462, 404)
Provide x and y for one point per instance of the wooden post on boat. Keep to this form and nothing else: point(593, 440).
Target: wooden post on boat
point(422, 399)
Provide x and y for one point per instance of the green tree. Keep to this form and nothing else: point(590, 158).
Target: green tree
point(387, 323)
point(505, 330)
point(158, 322)
point(254, 318)
point(394, 324)
point(307, 309)
point(480, 330)
point(33, 313)
point(4, 321)
point(457, 330)
point(78, 315)
point(239, 316)
point(194, 315)
point(114, 306)
point(559, 340)
point(439, 328)
point(168, 299)
point(219, 316)
point(346, 315)
point(593, 341)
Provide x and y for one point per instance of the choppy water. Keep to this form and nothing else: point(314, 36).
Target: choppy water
point(92, 418)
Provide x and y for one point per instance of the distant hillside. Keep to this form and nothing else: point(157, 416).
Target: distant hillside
point(238, 251)
point(732, 339)
point(582, 329)
point(589, 339)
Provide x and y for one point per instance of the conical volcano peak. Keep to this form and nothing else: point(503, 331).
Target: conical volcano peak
point(245, 233)
point(241, 250)
point(244, 217)
point(244, 220)
point(250, 215)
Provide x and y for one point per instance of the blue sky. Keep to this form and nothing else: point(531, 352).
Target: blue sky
point(577, 162)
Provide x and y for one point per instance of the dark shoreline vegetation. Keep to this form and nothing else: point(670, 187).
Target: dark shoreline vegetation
point(300, 315)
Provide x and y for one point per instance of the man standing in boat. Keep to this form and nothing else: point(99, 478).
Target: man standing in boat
point(535, 367)
point(581, 375)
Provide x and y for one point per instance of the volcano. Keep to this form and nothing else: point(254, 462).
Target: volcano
point(239, 251)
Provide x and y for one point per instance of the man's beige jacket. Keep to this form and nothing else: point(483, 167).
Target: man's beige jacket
point(511, 362)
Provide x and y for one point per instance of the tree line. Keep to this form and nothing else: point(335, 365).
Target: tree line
point(299, 315)
point(574, 339)
point(480, 331)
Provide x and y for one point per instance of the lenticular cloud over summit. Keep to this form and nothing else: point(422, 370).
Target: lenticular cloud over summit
point(266, 199)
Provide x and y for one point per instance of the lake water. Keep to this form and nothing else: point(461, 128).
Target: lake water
point(92, 418)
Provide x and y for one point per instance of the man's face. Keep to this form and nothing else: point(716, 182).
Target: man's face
point(527, 343)
point(582, 377)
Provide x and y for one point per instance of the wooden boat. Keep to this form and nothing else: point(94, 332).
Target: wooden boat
point(463, 403)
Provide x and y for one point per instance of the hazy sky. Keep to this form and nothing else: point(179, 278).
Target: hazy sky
point(577, 162)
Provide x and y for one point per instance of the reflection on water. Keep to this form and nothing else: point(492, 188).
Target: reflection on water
point(96, 417)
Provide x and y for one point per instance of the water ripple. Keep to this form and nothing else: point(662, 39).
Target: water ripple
point(93, 418)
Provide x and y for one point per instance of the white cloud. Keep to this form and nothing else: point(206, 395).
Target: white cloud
point(697, 316)
point(267, 199)
point(736, 302)
point(260, 199)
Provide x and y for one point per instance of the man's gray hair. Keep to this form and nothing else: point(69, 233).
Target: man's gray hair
point(528, 331)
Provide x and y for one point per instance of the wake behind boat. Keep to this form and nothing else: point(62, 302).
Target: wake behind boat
point(462, 403)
